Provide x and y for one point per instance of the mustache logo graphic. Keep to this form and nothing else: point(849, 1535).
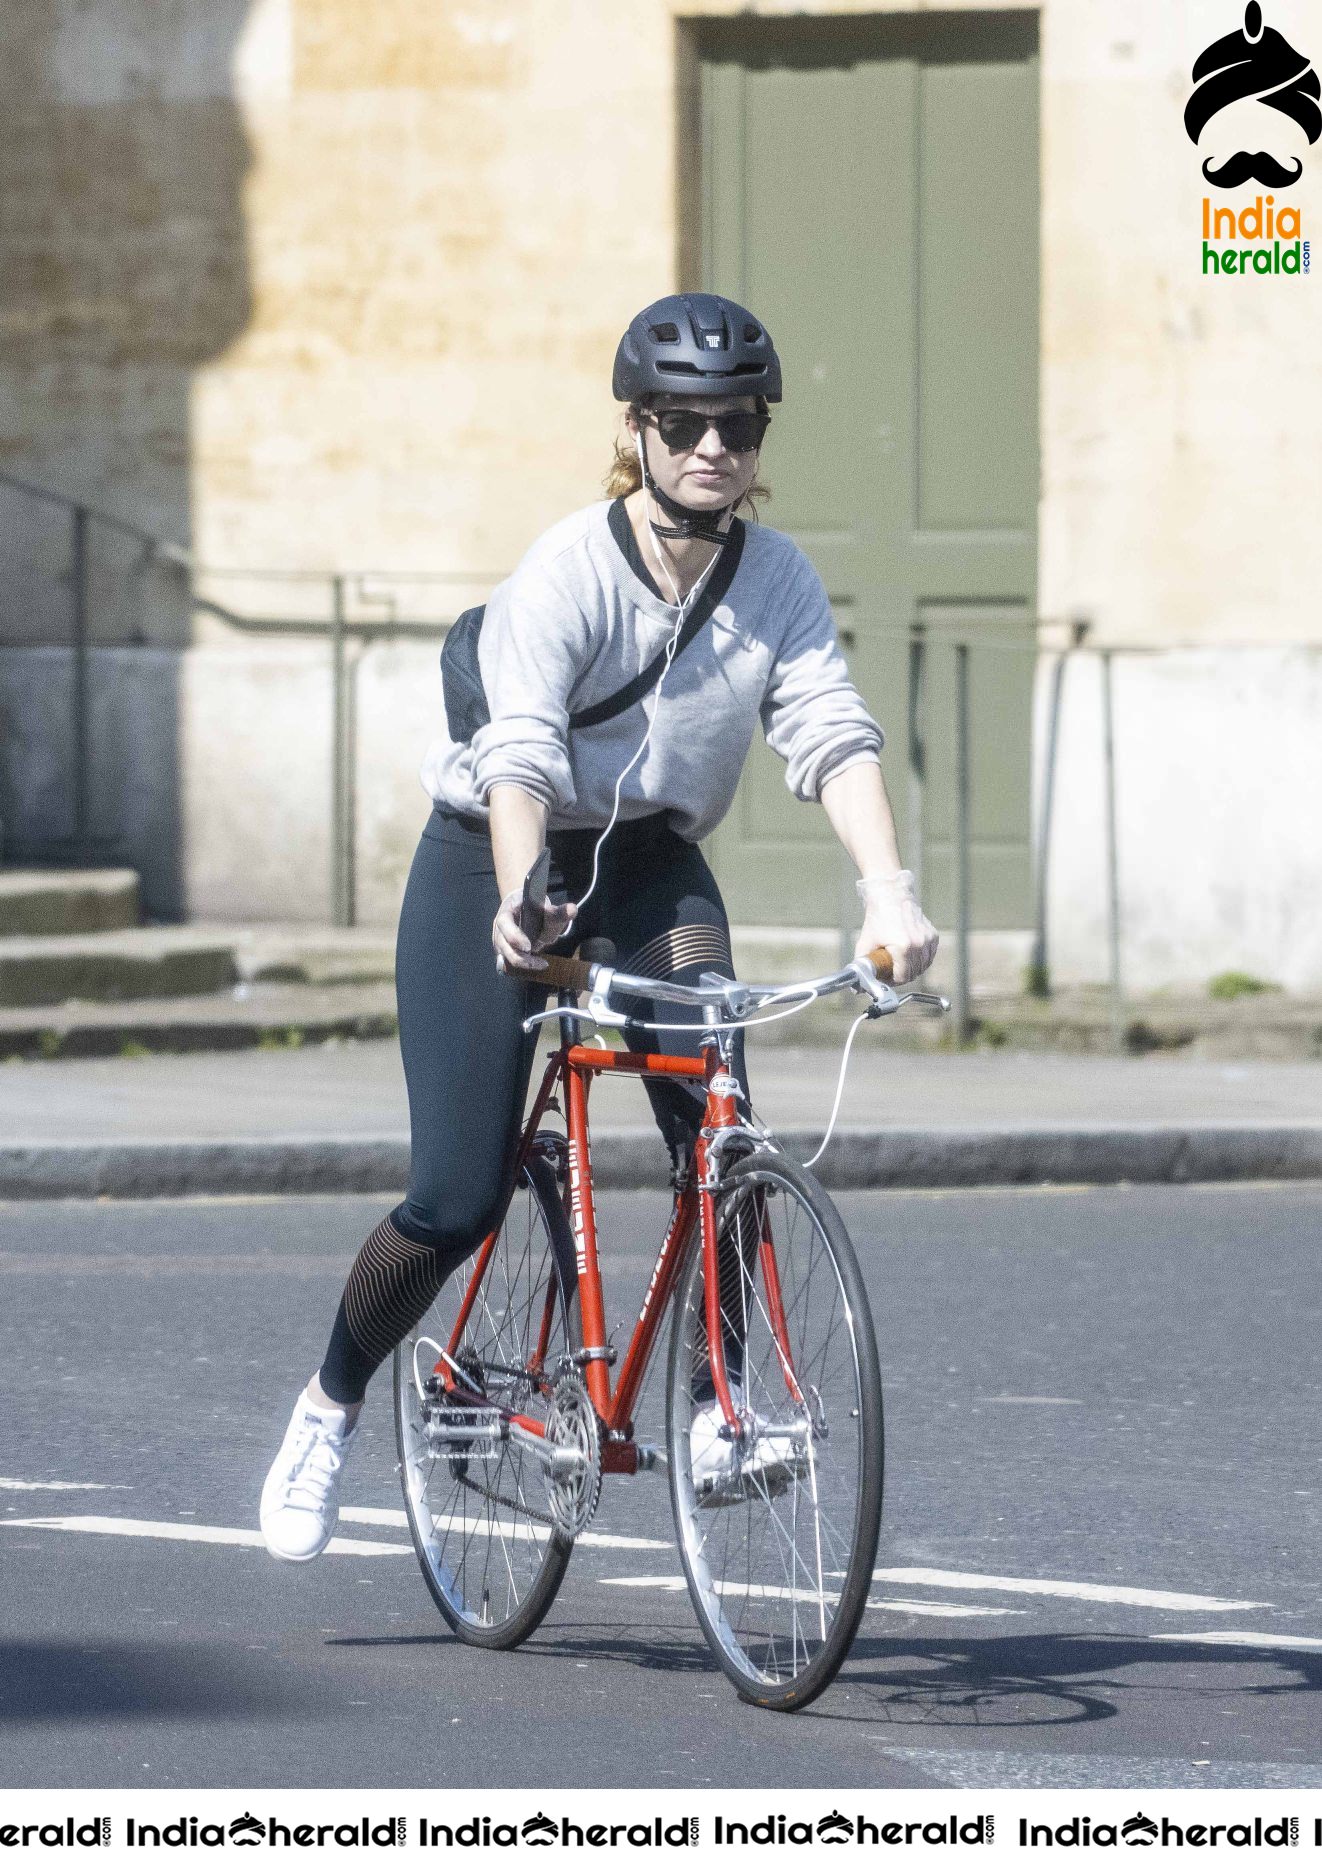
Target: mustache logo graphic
point(1139, 1829)
point(1259, 167)
point(1255, 63)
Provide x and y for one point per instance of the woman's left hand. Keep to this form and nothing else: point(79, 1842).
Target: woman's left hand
point(893, 920)
point(513, 948)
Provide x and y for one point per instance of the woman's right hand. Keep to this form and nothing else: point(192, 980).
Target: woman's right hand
point(513, 948)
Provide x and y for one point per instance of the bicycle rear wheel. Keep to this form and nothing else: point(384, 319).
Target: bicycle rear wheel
point(478, 1509)
point(779, 1555)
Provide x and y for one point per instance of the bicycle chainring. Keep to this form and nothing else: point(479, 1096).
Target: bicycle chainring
point(572, 1428)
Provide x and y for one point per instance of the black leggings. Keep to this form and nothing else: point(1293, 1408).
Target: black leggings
point(467, 1061)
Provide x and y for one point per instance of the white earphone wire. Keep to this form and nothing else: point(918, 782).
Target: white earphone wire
point(685, 605)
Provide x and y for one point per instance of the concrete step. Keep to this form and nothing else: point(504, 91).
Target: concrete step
point(309, 957)
point(120, 964)
point(289, 1014)
point(67, 902)
point(214, 987)
point(318, 956)
point(270, 1017)
point(1081, 1019)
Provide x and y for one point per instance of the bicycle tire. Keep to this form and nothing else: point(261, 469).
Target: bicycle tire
point(779, 1571)
point(490, 1557)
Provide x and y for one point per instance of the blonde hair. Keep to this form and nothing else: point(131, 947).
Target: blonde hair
point(625, 476)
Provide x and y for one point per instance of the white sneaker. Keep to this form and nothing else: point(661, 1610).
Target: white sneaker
point(300, 1504)
point(770, 1457)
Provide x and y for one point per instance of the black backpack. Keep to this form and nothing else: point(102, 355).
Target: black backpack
point(461, 673)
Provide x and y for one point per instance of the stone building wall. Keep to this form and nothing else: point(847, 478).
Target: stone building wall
point(314, 286)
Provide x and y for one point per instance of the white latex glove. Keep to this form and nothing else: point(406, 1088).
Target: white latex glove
point(892, 919)
point(512, 946)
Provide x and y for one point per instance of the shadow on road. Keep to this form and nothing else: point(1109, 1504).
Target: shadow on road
point(1046, 1680)
point(1036, 1681)
point(647, 1646)
point(45, 1681)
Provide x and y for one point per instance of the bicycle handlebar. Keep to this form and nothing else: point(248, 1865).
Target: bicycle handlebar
point(563, 971)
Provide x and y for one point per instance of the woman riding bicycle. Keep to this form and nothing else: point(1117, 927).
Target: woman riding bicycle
point(621, 799)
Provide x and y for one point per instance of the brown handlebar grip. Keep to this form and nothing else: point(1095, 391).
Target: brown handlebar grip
point(560, 971)
point(881, 960)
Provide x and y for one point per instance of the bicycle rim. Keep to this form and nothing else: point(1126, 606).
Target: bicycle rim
point(779, 1571)
point(478, 1510)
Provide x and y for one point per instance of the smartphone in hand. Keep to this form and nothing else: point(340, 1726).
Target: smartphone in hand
point(532, 915)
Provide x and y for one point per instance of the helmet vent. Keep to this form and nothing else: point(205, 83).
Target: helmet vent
point(681, 367)
point(695, 343)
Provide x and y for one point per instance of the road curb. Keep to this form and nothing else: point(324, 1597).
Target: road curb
point(634, 1158)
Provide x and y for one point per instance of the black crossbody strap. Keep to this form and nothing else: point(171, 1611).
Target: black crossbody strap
point(712, 593)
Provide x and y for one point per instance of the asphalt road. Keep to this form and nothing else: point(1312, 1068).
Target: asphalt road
point(1103, 1412)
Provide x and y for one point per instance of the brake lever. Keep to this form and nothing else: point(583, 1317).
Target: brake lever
point(880, 992)
point(559, 1012)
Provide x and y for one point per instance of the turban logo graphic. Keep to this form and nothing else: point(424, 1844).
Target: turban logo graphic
point(1259, 63)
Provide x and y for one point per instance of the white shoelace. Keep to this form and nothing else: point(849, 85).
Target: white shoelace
point(317, 1458)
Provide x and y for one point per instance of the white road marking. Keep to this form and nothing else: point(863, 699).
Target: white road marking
point(1244, 1639)
point(62, 1486)
point(457, 1522)
point(362, 1515)
point(926, 1607)
point(197, 1535)
point(1054, 1402)
point(1061, 1587)
point(900, 1574)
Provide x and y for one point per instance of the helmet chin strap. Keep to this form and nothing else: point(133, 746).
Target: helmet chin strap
point(693, 522)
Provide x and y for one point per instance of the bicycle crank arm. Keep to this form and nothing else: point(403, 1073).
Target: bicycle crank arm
point(559, 1463)
point(490, 1427)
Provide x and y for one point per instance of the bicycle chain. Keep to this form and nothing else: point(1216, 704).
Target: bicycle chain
point(500, 1499)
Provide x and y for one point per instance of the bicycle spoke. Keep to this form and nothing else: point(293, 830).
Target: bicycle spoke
point(479, 1506)
point(797, 1510)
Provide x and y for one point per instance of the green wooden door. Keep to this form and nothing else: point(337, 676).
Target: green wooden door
point(870, 187)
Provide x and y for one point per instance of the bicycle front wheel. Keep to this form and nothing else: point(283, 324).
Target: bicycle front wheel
point(477, 1504)
point(778, 1533)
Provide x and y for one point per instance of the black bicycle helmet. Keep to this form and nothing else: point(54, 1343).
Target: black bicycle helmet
point(696, 342)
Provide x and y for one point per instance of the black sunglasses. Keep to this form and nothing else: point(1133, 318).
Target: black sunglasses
point(737, 429)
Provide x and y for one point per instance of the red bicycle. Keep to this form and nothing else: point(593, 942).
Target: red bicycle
point(507, 1418)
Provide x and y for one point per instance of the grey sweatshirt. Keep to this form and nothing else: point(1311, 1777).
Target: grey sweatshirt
point(574, 624)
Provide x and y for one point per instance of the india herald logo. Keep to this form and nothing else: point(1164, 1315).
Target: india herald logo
point(1258, 66)
point(1140, 1829)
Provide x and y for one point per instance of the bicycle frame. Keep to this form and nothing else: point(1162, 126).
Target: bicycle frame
point(572, 1067)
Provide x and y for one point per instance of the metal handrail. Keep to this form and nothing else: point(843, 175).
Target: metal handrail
point(53, 497)
point(337, 629)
